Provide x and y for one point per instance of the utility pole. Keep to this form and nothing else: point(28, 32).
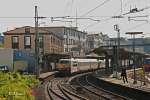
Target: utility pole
point(36, 43)
point(133, 47)
point(116, 28)
point(38, 55)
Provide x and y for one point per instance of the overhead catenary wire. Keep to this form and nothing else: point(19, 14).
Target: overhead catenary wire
point(95, 8)
point(50, 17)
point(82, 17)
point(93, 24)
point(106, 19)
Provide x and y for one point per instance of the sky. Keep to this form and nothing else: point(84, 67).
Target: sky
point(95, 15)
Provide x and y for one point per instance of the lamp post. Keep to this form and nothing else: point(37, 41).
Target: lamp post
point(133, 47)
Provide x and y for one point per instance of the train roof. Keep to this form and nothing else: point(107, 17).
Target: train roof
point(87, 60)
point(81, 60)
point(68, 59)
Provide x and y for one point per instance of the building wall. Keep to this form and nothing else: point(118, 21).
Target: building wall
point(47, 44)
point(24, 60)
point(74, 39)
point(7, 41)
point(21, 41)
point(6, 58)
point(50, 46)
point(33, 42)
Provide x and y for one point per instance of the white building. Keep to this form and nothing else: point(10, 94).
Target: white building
point(74, 40)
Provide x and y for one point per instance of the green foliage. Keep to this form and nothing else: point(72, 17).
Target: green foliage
point(1, 45)
point(16, 86)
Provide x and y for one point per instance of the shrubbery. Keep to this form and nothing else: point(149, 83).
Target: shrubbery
point(14, 86)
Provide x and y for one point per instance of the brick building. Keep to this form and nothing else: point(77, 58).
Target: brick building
point(24, 38)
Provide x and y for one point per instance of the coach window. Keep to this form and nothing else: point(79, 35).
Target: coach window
point(27, 42)
point(15, 42)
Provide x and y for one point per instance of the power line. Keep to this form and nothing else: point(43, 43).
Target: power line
point(95, 7)
point(25, 17)
point(136, 10)
point(16, 17)
point(91, 25)
point(74, 17)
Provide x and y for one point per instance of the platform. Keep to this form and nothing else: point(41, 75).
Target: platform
point(139, 85)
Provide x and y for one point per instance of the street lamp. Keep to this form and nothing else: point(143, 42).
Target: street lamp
point(133, 45)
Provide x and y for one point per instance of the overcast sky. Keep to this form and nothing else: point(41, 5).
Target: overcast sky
point(95, 9)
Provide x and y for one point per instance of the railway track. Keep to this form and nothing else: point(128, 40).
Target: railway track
point(109, 95)
point(57, 91)
point(95, 93)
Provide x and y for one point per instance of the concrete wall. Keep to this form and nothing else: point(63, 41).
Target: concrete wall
point(24, 60)
point(18, 59)
point(6, 58)
point(20, 65)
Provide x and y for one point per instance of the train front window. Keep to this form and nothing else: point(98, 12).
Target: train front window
point(75, 64)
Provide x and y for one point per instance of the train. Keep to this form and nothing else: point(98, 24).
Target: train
point(71, 66)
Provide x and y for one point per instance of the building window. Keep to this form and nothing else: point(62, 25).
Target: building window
point(51, 39)
point(66, 42)
point(15, 42)
point(27, 42)
point(66, 50)
point(41, 42)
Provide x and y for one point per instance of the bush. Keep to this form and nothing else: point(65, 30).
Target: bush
point(16, 86)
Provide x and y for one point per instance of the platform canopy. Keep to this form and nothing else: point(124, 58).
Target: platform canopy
point(124, 54)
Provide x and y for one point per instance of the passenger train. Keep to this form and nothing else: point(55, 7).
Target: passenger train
point(70, 66)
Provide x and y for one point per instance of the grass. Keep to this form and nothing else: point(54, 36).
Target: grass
point(14, 86)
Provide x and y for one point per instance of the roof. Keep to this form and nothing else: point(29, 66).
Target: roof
point(93, 55)
point(62, 27)
point(22, 30)
point(49, 29)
